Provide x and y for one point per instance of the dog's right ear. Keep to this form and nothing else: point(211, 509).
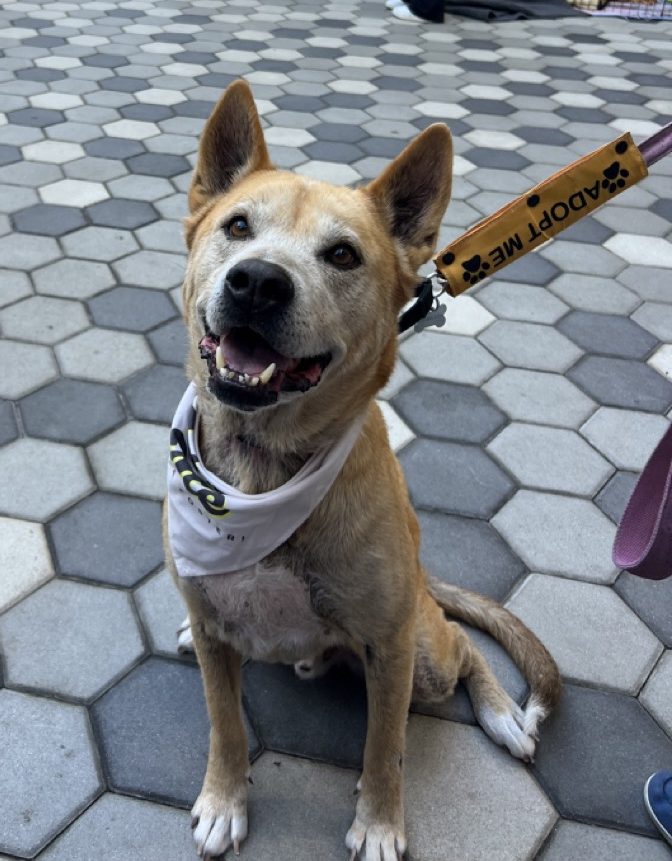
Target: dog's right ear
point(232, 145)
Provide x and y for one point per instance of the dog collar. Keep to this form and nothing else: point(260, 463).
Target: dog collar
point(213, 527)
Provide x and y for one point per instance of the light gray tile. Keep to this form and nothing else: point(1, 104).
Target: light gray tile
point(656, 695)
point(574, 840)
point(626, 437)
point(530, 345)
point(449, 357)
point(25, 560)
point(162, 610)
point(115, 471)
point(534, 396)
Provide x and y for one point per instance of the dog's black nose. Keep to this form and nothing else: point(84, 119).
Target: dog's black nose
point(257, 285)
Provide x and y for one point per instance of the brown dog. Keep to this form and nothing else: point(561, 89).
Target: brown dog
point(311, 278)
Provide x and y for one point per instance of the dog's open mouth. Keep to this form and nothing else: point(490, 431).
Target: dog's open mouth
point(247, 372)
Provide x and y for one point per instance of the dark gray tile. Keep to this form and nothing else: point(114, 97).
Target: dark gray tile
point(200, 57)
point(114, 148)
point(195, 108)
point(588, 230)
point(8, 428)
point(109, 539)
point(382, 147)
point(614, 496)
point(45, 219)
point(153, 732)
point(663, 208)
point(126, 214)
point(122, 84)
point(457, 479)
point(532, 269)
point(35, 117)
point(500, 159)
point(106, 61)
point(596, 752)
point(338, 132)
point(71, 411)
point(178, 39)
point(404, 85)
point(158, 164)
point(216, 79)
point(44, 42)
point(584, 115)
point(468, 553)
point(323, 719)
point(307, 104)
point(170, 343)
point(542, 135)
point(526, 88)
point(448, 411)
point(146, 113)
point(565, 73)
point(9, 154)
point(488, 106)
point(622, 383)
point(133, 309)
point(153, 395)
point(348, 100)
point(43, 75)
point(607, 334)
point(342, 153)
point(651, 600)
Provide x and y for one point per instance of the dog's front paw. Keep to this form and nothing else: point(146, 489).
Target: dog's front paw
point(375, 841)
point(218, 822)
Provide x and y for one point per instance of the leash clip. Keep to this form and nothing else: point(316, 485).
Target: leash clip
point(427, 310)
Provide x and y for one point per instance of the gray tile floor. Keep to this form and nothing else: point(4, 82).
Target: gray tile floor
point(521, 423)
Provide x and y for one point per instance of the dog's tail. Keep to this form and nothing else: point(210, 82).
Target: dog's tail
point(529, 653)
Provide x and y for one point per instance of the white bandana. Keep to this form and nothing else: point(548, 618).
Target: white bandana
point(214, 528)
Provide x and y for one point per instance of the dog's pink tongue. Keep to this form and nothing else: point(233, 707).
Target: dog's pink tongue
point(252, 356)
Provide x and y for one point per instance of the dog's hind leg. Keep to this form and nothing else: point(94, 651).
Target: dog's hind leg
point(445, 654)
point(220, 813)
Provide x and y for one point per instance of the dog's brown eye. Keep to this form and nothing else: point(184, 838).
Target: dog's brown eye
point(238, 228)
point(343, 256)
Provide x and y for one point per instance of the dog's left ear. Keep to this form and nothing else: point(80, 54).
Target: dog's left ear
point(413, 192)
point(232, 145)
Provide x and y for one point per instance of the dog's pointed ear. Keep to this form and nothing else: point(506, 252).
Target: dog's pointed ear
point(232, 145)
point(413, 192)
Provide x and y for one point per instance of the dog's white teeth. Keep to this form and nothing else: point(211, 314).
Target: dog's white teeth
point(266, 375)
point(219, 359)
point(231, 375)
point(222, 372)
point(254, 381)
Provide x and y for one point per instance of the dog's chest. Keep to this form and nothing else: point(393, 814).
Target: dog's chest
point(265, 613)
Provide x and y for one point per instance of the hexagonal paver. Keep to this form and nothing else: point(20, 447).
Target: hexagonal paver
point(56, 736)
point(647, 250)
point(447, 760)
point(169, 765)
point(108, 538)
point(15, 285)
point(464, 316)
point(37, 364)
point(398, 431)
point(43, 319)
point(449, 357)
point(8, 428)
point(607, 334)
point(626, 437)
point(529, 345)
point(576, 622)
point(73, 192)
point(125, 214)
point(657, 693)
point(117, 827)
point(650, 599)
point(99, 243)
point(24, 559)
point(457, 479)
point(115, 470)
point(73, 279)
point(593, 293)
point(153, 395)
point(103, 355)
point(448, 411)
point(588, 770)
point(169, 342)
point(468, 553)
point(539, 397)
point(614, 496)
point(575, 840)
point(521, 302)
point(661, 360)
point(71, 411)
point(162, 611)
point(70, 639)
point(132, 308)
point(315, 827)
point(29, 253)
point(323, 719)
point(46, 477)
point(47, 220)
point(151, 269)
point(550, 459)
point(134, 130)
point(622, 383)
point(559, 535)
point(657, 318)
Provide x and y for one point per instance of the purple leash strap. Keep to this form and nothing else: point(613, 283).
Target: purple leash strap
point(643, 543)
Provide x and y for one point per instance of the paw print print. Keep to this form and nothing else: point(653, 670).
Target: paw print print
point(475, 269)
point(614, 177)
